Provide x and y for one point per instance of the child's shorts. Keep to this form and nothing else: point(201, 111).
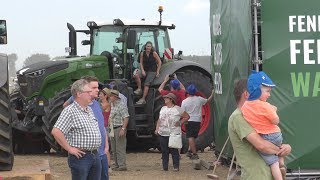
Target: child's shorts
point(276, 139)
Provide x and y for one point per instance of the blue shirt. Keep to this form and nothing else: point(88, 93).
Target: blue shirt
point(95, 106)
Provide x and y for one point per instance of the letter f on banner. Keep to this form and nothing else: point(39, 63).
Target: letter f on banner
point(294, 51)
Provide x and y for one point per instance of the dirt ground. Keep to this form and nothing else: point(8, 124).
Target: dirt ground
point(141, 166)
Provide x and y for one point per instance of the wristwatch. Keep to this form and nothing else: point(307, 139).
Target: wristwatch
point(123, 128)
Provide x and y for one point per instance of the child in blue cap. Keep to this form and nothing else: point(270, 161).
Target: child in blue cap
point(193, 106)
point(263, 117)
point(176, 87)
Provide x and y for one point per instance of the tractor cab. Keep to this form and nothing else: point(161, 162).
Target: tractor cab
point(123, 41)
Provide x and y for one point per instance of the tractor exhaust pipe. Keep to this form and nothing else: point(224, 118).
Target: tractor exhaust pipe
point(72, 40)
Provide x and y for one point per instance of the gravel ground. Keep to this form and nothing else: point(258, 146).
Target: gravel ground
point(141, 166)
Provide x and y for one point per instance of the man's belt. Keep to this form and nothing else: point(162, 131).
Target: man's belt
point(116, 127)
point(94, 151)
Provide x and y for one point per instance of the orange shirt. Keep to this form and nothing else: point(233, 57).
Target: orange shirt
point(259, 115)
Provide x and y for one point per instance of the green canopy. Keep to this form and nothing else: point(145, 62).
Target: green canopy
point(290, 41)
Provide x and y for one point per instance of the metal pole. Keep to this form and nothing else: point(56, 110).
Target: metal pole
point(256, 45)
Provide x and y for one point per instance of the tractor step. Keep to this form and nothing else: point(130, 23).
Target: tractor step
point(141, 117)
point(144, 136)
point(142, 125)
point(139, 105)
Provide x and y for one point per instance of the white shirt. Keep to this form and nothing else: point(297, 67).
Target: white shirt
point(193, 106)
point(168, 117)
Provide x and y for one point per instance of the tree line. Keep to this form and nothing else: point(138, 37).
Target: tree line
point(34, 58)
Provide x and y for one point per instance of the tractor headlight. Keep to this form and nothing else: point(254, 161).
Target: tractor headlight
point(37, 73)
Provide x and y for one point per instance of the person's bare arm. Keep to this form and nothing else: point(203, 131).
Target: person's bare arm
point(262, 145)
point(166, 79)
point(276, 120)
point(156, 56)
point(157, 127)
point(211, 96)
point(141, 65)
point(285, 150)
point(181, 86)
point(125, 122)
point(106, 148)
point(124, 126)
point(60, 138)
point(184, 117)
point(273, 116)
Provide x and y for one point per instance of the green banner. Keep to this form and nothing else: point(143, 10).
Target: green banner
point(231, 45)
point(291, 45)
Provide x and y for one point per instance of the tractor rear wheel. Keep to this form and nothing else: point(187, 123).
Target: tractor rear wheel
point(6, 151)
point(53, 111)
point(204, 87)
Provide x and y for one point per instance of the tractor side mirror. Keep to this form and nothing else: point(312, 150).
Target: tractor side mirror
point(120, 39)
point(3, 32)
point(131, 41)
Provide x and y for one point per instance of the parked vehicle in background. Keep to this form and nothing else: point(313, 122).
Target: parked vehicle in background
point(6, 152)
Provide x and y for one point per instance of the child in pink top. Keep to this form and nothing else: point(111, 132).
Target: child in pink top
point(263, 117)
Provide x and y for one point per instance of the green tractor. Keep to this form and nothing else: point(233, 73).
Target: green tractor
point(114, 51)
point(6, 151)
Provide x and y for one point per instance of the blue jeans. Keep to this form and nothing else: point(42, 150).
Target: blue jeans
point(88, 167)
point(104, 167)
point(165, 150)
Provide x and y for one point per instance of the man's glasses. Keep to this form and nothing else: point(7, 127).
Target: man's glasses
point(86, 92)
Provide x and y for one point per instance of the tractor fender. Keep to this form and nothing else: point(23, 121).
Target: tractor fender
point(3, 69)
point(173, 66)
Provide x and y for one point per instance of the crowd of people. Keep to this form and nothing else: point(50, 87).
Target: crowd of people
point(94, 119)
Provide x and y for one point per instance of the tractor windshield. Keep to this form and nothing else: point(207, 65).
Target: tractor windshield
point(104, 39)
point(158, 37)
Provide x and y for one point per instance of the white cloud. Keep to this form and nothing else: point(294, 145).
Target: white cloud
point(195, 6)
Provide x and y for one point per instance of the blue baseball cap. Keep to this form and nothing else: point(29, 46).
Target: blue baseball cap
point(255, 80)
point(175, 84)
point(191, 89)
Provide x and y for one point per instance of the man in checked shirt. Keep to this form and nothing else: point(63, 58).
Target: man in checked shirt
point(77, 131)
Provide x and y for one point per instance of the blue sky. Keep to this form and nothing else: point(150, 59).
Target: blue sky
point(40, 26)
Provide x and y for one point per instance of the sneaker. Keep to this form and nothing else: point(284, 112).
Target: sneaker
point(194, 157)
point(138, 92)
point(175, 169)
point(141, 101)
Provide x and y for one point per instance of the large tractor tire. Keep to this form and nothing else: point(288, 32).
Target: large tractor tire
point(6, 152)
point(204, 86)
point(24, 141)
point(53, 110)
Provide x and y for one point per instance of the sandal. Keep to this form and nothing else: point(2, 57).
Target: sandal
point(283, 171)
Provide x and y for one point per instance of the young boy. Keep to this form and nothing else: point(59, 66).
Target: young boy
point(263, 117)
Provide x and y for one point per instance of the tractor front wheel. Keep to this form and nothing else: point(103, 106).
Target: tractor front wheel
point(53, 110)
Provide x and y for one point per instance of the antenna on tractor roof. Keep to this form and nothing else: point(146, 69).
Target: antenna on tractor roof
point(160, 10)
